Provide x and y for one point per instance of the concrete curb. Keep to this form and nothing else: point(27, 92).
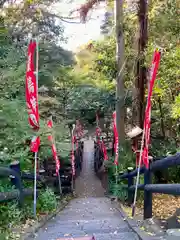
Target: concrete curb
point(31, 231)
point(134, 226)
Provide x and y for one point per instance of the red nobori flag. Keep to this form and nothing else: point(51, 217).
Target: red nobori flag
point(116, 147)
point(104, 150)
point(35, 143)
point(53, 147)
point(56, 158)
point(50, 123)
point(31, 88)
point(98, 134)
point(147, 119)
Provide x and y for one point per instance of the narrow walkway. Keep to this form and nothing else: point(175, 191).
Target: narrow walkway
point(91, 214)
point(87, 184)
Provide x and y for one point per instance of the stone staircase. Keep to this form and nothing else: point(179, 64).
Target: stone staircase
point(85, 217)
point(90, 216)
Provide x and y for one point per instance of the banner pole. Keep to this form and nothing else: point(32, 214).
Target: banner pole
point(35, 182)
point(36, 153)
point(138, 175)
point(116, 181)
point(60, 188)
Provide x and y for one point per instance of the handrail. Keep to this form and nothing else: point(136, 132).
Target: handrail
point(166, 162)
point(16, 176)
point(7, 172)
point(148, 187)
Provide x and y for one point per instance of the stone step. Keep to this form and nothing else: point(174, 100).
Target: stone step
point(86, 227)
point(97, 236)
point(84, 215)
point(79, 228)
point(85, 224)
point(78, 238)
point(110, 222)
point(101, 236)
point(116, 236)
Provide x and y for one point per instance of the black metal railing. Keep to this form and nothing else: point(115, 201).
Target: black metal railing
point(147, 186)
point(16, 177)
point(19, 192)
point(98, 157)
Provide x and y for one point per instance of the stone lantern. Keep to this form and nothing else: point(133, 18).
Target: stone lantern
point(136, 136)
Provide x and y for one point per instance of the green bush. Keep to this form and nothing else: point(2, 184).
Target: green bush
point(10, 215)
point(47, 201)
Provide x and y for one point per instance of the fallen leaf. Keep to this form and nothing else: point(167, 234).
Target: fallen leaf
point(66, 235)
point(142, 228)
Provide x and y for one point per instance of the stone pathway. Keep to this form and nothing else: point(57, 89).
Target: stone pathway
point(87, 184)
point(91, 214)
point(87, 217)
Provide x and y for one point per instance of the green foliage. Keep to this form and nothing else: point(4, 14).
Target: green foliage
point(53, 59)
point(32, 17)
point(11, 215)
point(176, 107)
point(15, 132)
point(88, 97)
point(118, 190)
point(9, 212)
point(115, 187)
point(104, 60)
point(126, 157)
point(47, 201)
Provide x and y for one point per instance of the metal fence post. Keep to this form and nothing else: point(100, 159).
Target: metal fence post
point(16, 167)
point(130, 183)
point(147, 195)
point(16, 180)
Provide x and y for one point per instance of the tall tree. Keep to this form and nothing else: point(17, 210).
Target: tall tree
point(141, 70)
point(120, 69)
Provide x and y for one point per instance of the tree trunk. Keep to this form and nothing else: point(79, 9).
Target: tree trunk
point(141, 73)
point(120, 62)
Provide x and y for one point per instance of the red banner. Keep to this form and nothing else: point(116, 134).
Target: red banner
point(53, 147)
point(35, 143)
point(32, 88)
point(116, 143)
point(98, 134)
point(104, 150)
point(147, 119)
